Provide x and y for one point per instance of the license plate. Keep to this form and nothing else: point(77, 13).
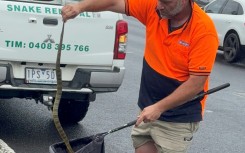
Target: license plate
point(40, 76)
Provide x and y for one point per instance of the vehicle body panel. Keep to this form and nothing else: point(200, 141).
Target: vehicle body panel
point(43, 39)
point(29, 39)
point(226, 22)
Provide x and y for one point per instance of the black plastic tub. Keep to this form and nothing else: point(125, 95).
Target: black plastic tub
point(91, 144)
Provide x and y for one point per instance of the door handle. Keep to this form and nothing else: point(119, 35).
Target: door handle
point(50, 21)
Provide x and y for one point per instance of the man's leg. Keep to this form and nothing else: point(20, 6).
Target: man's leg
point(142, 140)
point(148, 147)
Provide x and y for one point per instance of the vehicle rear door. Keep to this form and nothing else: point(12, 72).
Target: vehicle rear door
point(30, 32)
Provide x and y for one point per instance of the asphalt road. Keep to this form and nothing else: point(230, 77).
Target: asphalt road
point(27, 127)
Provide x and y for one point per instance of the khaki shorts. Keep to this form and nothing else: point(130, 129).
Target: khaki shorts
point(168, 137)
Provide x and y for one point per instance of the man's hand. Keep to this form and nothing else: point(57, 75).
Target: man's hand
point(70, 11)
point(149, 114)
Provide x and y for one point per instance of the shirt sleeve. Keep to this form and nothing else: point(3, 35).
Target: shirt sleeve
point(140, 9)
point(203, 54)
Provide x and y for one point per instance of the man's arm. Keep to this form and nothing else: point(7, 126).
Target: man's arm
point(72, 10)
point(185, 92)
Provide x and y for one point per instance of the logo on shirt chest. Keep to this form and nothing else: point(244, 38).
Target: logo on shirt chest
point(183, 43)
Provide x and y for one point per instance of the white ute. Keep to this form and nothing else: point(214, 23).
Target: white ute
point(92, 60)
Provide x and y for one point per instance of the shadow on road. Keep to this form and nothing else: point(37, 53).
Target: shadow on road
point(28, 127)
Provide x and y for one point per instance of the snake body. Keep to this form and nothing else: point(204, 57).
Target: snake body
point(58, 96)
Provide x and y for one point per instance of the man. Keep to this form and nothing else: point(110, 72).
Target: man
point(181, 45)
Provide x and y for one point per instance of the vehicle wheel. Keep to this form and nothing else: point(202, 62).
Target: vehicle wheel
point(72, 111)
point(232, 51)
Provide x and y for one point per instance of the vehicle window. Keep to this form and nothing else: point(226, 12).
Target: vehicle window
point(240, 10)
point(231, 8)
point(215, 6)
point(201, 3)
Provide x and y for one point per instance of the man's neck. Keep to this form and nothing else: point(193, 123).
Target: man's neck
point(182, 17)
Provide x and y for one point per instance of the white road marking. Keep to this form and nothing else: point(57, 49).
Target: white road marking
point(239, 94)
point(4, 148)
point(209, 111)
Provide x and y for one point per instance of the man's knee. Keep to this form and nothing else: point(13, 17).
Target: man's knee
point(148, 147)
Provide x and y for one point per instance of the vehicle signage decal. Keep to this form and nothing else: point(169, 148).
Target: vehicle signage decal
point(49, 39)
point(40, 9)
point(46, 46)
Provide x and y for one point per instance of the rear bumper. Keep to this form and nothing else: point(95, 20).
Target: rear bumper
point(85, 81)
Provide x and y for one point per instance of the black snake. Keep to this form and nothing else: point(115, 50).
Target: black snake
point(58, 96)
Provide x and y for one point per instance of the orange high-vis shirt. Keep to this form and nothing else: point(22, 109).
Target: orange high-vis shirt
point(190, 50)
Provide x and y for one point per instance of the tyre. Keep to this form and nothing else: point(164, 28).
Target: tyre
point(72, 111)
point(232, 48)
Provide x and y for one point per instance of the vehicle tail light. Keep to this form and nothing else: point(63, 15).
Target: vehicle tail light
point(121, 40)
